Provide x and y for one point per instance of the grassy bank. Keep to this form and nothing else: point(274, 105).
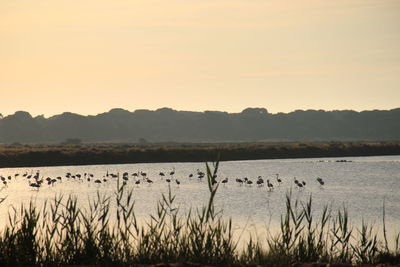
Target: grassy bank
point(86, 154)
point(60, 233)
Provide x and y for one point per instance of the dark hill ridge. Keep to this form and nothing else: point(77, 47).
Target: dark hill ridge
point(168, 125)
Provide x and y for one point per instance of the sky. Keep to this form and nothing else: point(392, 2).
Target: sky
point(89, 56)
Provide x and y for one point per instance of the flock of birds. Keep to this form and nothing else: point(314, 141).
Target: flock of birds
point(260, 182)
point(37, 180)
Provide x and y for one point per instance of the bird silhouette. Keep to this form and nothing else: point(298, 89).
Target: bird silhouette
point(270, 186)
point(278, 179)
point(320, 181)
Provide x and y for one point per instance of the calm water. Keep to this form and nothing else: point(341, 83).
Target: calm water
point(362, 185)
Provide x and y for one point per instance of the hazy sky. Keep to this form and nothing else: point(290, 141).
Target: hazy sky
point(88, 56)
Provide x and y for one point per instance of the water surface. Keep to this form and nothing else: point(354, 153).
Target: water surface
point(362, 184)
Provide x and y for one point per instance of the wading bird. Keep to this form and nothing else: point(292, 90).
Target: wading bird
point(278, 179)
point(320, 181)
point(270, 186)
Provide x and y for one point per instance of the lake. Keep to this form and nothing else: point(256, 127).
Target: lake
point(362, 184)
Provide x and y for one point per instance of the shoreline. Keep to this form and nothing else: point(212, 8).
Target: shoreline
point(41, 155)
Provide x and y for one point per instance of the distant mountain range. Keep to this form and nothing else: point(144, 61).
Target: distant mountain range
point(168, 125)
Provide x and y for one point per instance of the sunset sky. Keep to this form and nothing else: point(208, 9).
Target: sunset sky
point(88, 56)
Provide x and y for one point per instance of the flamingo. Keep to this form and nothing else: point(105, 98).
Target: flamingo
point(172, 172)
point(200, 174)
point(270, 186)
point(278, 179)
point(34, 185)
point(320, 181)
point(260, 181)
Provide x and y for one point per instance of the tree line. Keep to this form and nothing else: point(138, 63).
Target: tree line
point(168, 125)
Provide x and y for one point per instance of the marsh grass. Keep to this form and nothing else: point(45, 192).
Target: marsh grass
point(61, 232)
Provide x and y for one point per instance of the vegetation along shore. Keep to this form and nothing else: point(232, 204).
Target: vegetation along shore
point(31, 155)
